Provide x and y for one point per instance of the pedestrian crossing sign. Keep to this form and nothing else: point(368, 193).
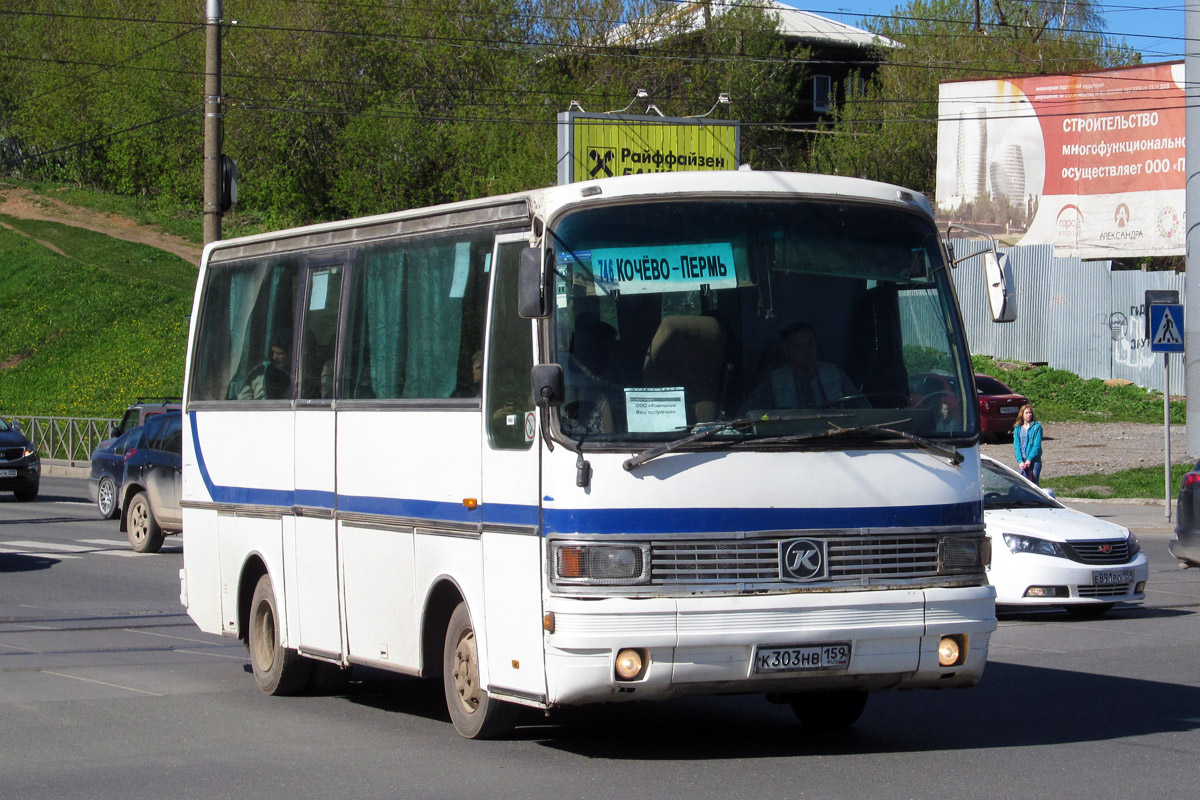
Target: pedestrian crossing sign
point(1166, 328)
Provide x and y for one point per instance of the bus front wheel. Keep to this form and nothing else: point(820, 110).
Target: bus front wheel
point(277, 670)
point(474, 714)
point(829, 710)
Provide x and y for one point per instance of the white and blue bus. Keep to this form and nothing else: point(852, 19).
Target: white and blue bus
point(624, 439)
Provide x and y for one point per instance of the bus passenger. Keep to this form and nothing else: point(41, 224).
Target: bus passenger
point(272, 379)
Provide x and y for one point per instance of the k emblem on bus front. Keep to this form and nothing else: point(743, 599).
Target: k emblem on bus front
point(802, 560)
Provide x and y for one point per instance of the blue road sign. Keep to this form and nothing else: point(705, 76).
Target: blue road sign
point(1166, 328)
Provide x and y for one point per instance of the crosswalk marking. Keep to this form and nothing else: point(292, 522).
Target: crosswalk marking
point(106, 547)
point(42, 553)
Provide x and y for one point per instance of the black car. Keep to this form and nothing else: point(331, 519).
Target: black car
point(1186, 544)
point(150, 485)
point(20, 465)
point(108, 470)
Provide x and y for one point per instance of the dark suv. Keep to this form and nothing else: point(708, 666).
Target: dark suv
point(143, 409)
point(20, 465)
point(150, 486)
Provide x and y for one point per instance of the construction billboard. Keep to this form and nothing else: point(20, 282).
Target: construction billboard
point(1091, 163)
point(604, 145)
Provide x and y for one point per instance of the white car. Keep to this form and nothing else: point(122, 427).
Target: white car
point(1045, 554)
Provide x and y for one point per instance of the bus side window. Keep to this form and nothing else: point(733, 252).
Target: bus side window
point(248, 311)
point(510, 358)
point(415, 317)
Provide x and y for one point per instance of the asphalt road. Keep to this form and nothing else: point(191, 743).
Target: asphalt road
point(108, 691)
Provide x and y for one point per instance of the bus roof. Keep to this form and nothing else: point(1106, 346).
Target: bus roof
point(546, 202)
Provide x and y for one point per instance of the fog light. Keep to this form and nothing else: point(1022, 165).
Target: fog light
point(1047, 591)
point(1141, 587)
point(630, 664)
point(952, 651)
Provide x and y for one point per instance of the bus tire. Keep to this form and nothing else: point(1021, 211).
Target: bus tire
point(474, 714)
point(142, 528)
point(277, 670)
point(829, 710)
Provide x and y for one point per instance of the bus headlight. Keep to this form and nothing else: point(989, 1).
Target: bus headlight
point(600, 564)
point(963, 554)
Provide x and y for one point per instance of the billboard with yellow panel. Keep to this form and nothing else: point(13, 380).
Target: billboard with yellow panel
point(604, 145)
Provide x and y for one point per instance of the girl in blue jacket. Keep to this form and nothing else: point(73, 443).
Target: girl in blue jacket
point(1027, 444)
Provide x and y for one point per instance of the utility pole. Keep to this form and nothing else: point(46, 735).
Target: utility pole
point(213, 116)
point(1191, 339)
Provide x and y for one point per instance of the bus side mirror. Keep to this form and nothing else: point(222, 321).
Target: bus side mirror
point(1001, 289)
point(533, 294)
point(548, 385)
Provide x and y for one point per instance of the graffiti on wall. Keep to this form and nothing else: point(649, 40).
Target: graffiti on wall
point(1130, 347)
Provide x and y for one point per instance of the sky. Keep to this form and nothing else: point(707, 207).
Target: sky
point(1152, 27)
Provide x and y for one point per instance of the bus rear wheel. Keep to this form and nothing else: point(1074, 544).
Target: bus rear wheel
point(829, 710)
point(474, 714)
point(277, 670)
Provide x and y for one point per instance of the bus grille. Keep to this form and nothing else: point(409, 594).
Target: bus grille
point(751, 561)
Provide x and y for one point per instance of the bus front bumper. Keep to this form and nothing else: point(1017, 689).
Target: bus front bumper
point(708, 645)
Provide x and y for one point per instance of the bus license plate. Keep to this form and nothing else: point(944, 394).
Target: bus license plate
point(8, 473)
point(802, 657)
point(1112, 577)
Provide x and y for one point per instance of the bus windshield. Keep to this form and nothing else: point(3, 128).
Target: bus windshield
point(797, 316)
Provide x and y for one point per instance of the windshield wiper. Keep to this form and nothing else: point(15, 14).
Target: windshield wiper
point(875, 431)
point(705, 430)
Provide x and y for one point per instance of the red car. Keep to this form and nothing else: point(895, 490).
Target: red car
point(998, 404)
point(998, 407)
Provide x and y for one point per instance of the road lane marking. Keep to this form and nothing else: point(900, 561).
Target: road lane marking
point(101, 683)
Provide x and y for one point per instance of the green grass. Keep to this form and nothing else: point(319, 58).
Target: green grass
point(89, 328)
point(1136, 482)
point(1061, 396)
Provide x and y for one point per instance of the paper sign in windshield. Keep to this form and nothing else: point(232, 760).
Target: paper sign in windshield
point(677, 268)
point(655, 410)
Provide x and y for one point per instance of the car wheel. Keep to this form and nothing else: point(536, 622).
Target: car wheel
point(277, 670)
point(474, 714)
point(27, 494)
point(1089, 610)
point(106, 498)
point(144, 534)
point(829, 710)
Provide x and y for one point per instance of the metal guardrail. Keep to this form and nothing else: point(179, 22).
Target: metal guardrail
point(66, 438)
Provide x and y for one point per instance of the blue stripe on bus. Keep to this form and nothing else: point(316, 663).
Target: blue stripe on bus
point(603, 520)
point(715, 520)
point(313, 498)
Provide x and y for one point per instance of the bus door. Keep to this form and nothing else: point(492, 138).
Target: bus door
point(512, 568)
point(316, 549)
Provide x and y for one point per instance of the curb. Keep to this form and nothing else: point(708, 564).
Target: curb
point(58, 468)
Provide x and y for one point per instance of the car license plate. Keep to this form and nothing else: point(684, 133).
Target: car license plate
point(1009, 410)
point(1111, 577)
point(8, 473)
point(835, 655)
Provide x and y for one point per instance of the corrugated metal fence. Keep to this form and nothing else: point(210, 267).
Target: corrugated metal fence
point(1076, 315)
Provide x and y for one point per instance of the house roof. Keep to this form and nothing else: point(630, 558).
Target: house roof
point(802, 26)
